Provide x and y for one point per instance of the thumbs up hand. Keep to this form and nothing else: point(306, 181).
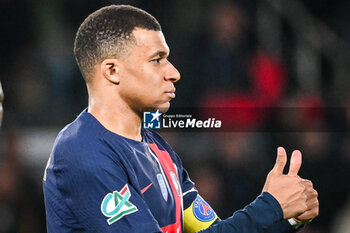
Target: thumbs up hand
point(289, 190)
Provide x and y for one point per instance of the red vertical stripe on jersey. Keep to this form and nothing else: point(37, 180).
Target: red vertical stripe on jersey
point(168, 165)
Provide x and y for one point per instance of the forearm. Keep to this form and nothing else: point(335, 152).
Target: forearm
point(260, 216)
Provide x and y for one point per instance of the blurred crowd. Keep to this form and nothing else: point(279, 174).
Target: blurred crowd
point(228, 56)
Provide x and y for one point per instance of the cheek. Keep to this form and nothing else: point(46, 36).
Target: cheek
point(143, 84)
point(149, 82)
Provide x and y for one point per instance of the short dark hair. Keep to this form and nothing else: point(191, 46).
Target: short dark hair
point(107, 32)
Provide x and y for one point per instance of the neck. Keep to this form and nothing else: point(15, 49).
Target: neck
point(116, 116)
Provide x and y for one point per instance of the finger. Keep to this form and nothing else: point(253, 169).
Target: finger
point(295, 163)
point(305, 217)
point(281, 161)
point(311, 194)
point(307, 183)
point(308, 215)
point(312, 201)
point(311, 213)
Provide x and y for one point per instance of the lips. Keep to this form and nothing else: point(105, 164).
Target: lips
point(171, 93)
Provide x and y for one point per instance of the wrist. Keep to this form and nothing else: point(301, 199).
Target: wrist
point(295, 223)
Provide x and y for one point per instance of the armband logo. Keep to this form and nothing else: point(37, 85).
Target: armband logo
point(202, 210)
point(116, 205)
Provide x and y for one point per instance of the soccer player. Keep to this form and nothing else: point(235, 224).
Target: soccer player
point(108, 174)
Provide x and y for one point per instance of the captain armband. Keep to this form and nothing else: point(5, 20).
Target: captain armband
point(198, 216)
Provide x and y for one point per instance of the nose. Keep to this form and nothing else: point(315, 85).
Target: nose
point(172, 74)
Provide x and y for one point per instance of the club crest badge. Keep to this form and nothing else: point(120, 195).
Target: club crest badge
point(202, 210)
point(116, 205)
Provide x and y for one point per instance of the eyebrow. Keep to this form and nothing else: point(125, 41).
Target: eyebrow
point(159, 53)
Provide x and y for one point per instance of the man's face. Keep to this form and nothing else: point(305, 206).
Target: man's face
point(1, 100)
point(146, 76)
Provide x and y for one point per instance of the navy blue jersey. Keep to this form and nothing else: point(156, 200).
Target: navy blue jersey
point(98, 181)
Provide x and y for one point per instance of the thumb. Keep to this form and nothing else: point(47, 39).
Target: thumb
point(281, 161)
point(295, 163)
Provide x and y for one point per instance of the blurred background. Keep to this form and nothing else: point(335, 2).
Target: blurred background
point(246, 53)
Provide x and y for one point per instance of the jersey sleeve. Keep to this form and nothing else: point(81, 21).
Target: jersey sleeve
point(96, 189)
point(263, 215)
point(198, 214)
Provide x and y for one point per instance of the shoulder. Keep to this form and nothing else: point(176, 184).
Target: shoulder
point(78, 135)
point(82, 143)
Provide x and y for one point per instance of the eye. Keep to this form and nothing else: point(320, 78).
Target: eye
point(157, 60)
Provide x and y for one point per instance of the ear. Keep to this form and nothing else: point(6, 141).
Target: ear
point(110, 70)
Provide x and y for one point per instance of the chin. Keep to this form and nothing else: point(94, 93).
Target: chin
point(164, 107)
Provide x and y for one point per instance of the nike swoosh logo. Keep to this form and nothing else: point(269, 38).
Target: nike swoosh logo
point(145, 188)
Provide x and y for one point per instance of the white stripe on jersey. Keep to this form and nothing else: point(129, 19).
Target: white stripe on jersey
point(189, 191)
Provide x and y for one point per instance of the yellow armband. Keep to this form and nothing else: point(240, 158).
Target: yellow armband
point(198, 216)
